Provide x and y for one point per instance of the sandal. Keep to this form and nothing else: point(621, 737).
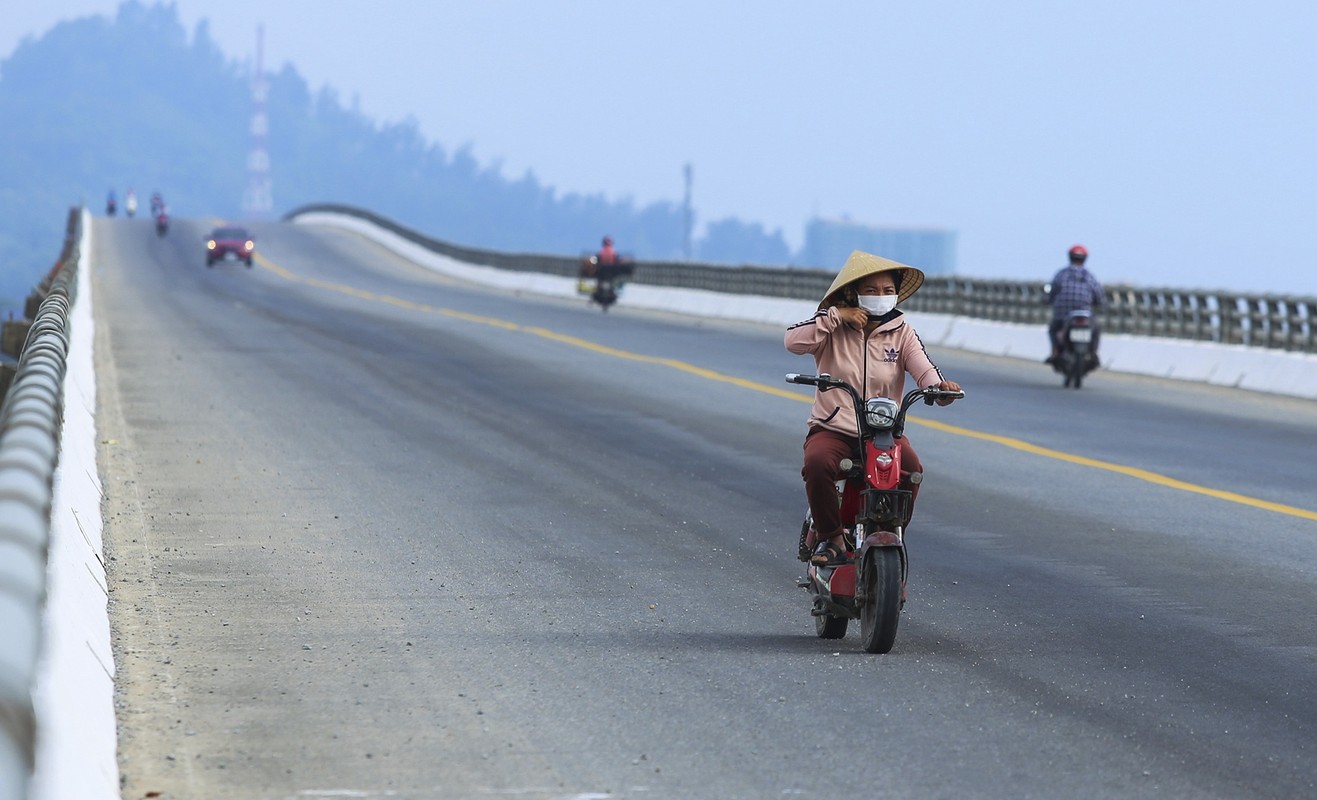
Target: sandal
point(828, 554)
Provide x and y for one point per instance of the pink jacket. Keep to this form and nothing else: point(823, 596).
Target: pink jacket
point(875, 363)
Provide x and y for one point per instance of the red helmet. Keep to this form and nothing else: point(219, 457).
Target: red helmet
point(1078, 253)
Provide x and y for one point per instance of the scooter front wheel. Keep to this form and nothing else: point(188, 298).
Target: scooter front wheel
point(882, 604)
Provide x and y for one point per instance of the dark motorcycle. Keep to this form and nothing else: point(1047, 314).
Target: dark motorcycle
point(603, 282)
point(161, 224)
point(870, 586)
point(1076, 348)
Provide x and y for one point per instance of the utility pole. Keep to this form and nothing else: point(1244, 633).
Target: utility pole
point(688, 217)
point(258, 200)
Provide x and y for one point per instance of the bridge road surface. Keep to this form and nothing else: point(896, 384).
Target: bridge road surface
point(373, 533)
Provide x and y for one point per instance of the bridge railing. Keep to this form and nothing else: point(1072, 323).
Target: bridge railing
point(31, 415)
point(1257, 320)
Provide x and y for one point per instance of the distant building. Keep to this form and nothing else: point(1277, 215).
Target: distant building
point(829, 242)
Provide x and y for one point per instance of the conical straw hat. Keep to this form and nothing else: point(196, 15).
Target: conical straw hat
point(862, 264)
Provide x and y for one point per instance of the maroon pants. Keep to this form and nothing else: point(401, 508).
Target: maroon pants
point(824, 450)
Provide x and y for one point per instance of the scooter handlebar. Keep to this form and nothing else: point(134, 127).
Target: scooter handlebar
point(933, 394)
point(808, 380)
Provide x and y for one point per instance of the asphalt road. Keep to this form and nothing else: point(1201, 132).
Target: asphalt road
point(374, 533)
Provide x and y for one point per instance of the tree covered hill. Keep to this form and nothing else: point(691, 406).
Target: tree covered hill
point(135, 101)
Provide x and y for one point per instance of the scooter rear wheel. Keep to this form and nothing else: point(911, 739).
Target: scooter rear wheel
point(882, 606)
point(829, 627)
point(1076, 378)
point(1077, 367)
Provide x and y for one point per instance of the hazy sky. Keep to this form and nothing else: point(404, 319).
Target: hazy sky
point(1174, 139)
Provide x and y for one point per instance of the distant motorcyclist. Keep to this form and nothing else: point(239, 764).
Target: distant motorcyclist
point(111, 204)
point(130, 203)
point(603, 273)
point(607, 255)
point(1073, 288)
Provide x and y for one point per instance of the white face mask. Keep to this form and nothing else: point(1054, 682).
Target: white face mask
point(877, 304)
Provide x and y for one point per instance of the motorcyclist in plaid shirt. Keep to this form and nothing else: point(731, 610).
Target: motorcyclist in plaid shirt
point(1073, 289)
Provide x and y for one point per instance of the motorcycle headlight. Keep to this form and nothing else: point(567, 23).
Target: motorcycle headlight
point(880, 412)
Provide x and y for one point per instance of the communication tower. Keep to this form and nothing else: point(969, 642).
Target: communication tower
point(258, 200)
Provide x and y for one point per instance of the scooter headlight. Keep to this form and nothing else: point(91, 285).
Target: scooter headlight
point(880, 412)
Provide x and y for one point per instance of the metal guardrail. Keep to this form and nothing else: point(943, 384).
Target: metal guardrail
point(771, 281)
point(1257, 320)
point(30, 418)
point(1280, 322)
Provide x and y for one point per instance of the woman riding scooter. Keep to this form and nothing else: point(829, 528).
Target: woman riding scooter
point(859, 336)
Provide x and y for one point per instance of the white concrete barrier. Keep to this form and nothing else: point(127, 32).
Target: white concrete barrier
point(74, 691)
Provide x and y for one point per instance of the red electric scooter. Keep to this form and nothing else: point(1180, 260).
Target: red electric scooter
point(871, 585)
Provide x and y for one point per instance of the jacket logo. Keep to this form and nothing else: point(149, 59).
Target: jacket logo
point(891, 354)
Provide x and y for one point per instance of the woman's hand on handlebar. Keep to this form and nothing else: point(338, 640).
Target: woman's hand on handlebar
point(947, 386)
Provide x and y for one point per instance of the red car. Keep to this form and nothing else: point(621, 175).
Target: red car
point(230, 243)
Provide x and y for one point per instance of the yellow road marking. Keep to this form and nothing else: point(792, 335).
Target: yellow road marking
point(1133, 472)
point(672, 363)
